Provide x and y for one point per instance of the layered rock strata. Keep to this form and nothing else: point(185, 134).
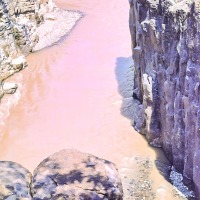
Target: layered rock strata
point(166, 48)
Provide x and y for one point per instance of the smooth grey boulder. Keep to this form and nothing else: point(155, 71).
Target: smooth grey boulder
point(70, 174)
point(15, 181)
point(166, 53)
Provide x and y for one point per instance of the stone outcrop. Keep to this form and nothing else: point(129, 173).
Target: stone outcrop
point(15, 181)
point(70, 174)
point(166, 48)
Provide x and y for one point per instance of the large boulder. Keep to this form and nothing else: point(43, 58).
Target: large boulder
point(70, 174)
point(15, 181)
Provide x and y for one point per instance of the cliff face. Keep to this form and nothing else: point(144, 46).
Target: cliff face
point(18, 33)
point(166, 48)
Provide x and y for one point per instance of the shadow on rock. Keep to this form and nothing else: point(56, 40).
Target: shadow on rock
point(70, 174)
point(14, 181)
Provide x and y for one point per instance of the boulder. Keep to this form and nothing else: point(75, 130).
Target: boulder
point(9, 88)
point(70, 174)
point(19, 63)
point(15, 181)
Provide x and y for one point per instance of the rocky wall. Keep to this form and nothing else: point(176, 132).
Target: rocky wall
point(166, 53)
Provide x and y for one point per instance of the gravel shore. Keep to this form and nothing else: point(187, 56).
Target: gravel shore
point(57, 25)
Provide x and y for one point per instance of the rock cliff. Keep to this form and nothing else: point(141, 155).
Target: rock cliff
point(166, 46)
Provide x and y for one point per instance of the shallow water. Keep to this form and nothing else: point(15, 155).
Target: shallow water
point(77, 94)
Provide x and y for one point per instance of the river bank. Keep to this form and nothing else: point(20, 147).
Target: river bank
point(63, 21)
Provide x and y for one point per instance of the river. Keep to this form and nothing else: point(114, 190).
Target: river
point(77, 94)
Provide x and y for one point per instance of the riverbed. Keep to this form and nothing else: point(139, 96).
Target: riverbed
point(77, 94)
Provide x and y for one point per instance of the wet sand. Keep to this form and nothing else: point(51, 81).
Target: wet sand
point(77, 94)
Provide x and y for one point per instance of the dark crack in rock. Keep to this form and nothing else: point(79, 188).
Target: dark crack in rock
point(70, 174)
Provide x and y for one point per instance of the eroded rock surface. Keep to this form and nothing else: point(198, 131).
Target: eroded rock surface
point(166, 46)
point(15, 181)
point(70, 174)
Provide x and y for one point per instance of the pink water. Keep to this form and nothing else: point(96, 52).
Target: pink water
point(70, 96)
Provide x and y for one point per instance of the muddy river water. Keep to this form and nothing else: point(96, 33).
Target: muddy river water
point(77, 94)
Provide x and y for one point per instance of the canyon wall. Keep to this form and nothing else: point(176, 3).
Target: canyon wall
point(166, 53)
